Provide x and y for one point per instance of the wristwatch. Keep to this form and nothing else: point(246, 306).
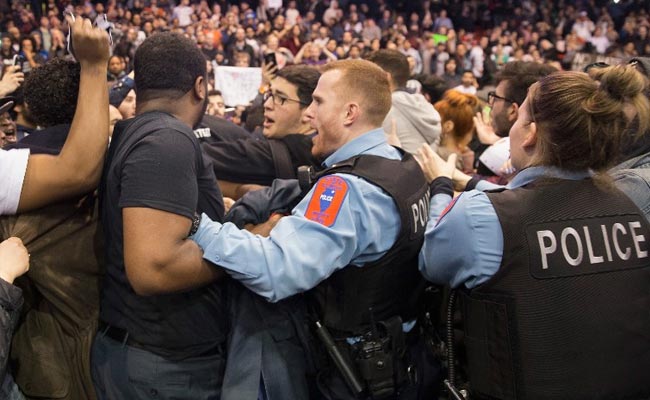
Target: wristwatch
point(196, 221)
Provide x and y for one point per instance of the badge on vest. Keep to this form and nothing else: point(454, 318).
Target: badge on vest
point(327, 199)
point(587, 246)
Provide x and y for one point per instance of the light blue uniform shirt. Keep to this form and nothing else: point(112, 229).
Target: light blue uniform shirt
point(300, 253)
point(632, 177)
point(465, 246)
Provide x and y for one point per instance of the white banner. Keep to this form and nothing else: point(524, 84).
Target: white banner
point(239, 85)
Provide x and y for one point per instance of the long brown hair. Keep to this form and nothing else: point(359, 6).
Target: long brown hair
point(581, 121)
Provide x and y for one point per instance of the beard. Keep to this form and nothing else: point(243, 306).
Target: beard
point(501, 125)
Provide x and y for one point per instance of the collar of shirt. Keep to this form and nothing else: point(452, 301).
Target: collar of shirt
point(356, 146)
point(530, 174)
point(640, 161)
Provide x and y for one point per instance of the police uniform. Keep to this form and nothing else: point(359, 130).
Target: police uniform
point(558, 269)
point(343, 225)
point(632, 177)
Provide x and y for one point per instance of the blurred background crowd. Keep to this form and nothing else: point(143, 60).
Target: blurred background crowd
point(440, 38)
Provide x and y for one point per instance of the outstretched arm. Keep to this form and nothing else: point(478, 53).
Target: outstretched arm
point(78, 167)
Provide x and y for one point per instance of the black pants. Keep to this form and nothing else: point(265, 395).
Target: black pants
point(127, 372)
point(330, 384)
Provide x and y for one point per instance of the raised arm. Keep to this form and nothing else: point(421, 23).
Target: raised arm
point(78, 167)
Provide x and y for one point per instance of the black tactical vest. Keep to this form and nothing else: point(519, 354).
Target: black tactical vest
point(390, 285)
point(567, 316)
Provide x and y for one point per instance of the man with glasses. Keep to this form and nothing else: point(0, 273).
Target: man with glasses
point(493, 96)
point(264, 340)
point(243, 162)
point(512, 86)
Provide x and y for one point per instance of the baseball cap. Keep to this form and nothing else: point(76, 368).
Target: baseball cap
point(6, 103)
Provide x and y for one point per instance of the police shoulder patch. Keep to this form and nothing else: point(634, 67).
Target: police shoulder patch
point(327, 199)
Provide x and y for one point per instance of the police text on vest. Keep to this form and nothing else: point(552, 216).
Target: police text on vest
point(588, 246)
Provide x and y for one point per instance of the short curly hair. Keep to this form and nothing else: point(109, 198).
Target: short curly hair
point(51, 92)
point(167, 65)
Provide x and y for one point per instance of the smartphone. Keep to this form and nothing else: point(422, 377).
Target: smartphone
point(270, 60)
point(19, 61)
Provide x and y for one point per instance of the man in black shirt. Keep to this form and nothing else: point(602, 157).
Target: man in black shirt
point(258, 162)
point(162, 318)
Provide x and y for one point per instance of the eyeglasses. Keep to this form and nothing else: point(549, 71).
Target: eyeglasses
point(492, 96)
point(279, 99)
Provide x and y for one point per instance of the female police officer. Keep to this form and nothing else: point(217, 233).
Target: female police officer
point(554, 268)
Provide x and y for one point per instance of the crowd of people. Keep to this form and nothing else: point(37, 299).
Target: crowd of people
point(444, 39)
point(328, 238)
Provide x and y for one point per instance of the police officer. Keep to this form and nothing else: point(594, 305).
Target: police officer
point(554, 267)
point(288, 138)
point(265, 337)
point(350, 242)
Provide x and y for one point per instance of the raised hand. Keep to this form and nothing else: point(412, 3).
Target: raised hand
point(433, 165)
point(12, 79)
point(484, 131)
point(90, 44)
point(268, 72)
point(264, 229)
